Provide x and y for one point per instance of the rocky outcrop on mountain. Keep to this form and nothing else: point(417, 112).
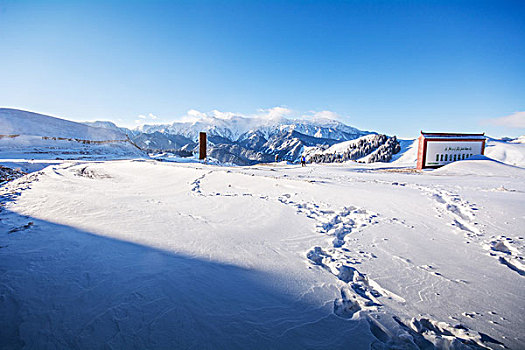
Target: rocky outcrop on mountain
point(289, 145)
point(235, 154)
point(159, 141)
point(374, 148)
point(252, 140)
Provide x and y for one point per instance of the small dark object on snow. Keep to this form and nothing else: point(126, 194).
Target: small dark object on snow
point(21, 228)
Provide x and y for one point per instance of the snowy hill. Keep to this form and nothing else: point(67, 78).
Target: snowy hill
point(480, 165)
point(14, 121)
point(510, 152)
point(31, 135)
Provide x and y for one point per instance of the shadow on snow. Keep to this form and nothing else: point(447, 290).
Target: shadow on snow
point(61, 287)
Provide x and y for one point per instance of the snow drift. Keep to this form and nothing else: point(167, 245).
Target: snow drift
point(480, 165)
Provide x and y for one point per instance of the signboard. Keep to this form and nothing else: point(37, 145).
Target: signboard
point(443, 152)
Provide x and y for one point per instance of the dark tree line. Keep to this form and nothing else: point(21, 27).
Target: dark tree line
point(382, 147)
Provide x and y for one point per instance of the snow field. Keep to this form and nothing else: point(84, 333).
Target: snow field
point(144, 254)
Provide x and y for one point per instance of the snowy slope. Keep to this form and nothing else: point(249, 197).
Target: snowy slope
point(408, 153)
point(343, 146)
point(480, 165)
point(370, 148)
point(145, 254)
point(31, 135)
point(510, 152)
point(14, 121)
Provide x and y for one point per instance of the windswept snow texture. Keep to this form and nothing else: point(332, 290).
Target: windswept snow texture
point(145, 254)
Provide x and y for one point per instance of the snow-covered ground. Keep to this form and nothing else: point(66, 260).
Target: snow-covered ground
point(148, 254)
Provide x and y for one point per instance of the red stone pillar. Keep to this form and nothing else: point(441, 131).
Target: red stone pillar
point(202, 145)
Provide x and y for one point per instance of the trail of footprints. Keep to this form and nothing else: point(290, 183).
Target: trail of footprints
point(507, 250)
point(339, 258)
point(362, 294)
point(461, 212)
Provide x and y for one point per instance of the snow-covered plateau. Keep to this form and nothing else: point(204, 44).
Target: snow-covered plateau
point(104, 247)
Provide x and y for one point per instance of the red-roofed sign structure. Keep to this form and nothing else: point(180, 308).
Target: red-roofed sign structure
point(438, 149)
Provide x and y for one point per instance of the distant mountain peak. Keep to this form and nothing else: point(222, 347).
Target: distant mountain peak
point(234, 127)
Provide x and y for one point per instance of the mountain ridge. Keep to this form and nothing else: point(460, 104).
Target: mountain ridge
point(235, 139)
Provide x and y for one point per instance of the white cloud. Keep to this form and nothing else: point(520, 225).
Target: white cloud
point(195, 114)
point(191, 116)
point(143, 118)
point(326, 115)
point(274, 113)
point(515, 121)
point(223, 115)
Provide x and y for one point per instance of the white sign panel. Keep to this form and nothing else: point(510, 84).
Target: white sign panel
point(444, 152)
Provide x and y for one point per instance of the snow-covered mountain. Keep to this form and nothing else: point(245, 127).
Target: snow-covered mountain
point(24, 134)
point(369, 149)
point(236, 127)
point(242, 140)
point(109, 125)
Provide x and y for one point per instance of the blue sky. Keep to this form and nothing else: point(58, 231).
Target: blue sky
point(389, 66)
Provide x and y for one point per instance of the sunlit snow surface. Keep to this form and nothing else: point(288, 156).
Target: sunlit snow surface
point(147, 254)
